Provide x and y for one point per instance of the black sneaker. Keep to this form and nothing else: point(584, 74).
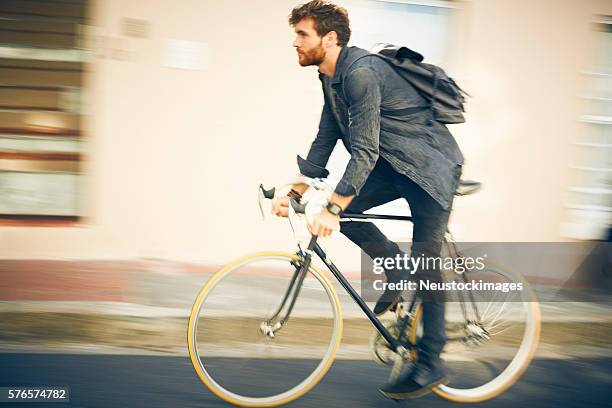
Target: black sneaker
point(389, 299)
point(415, 381)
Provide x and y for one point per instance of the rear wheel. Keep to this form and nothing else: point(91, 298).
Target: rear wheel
point(487, 353)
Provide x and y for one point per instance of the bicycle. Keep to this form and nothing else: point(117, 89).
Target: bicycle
point(235, 333)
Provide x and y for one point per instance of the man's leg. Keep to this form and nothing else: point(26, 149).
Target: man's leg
point(430, 223)
point(377, 190)
point(366, 235)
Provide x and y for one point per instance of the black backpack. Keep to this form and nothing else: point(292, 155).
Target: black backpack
point(446, 98)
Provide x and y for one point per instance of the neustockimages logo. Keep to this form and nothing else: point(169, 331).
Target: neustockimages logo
point(412, 264)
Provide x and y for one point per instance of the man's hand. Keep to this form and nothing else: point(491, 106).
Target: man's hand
point(280, 206)
point(324, 224)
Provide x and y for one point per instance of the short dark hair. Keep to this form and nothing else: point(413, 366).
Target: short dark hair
point(327, 17)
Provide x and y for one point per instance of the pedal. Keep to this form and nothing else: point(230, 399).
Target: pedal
point(399, 302)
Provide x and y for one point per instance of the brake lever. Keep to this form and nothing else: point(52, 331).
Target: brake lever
point(263, 194)
point(298, 207)
point(269, 194)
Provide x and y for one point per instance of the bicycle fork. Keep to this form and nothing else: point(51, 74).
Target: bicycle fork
point(272, 325)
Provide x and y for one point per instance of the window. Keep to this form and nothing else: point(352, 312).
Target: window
point(40, 83)
point(590, 199)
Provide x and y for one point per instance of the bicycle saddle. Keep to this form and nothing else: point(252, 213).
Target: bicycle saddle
point(467, 187)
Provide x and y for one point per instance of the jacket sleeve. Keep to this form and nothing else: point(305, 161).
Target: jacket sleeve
point(362, 92)
point(321, 147)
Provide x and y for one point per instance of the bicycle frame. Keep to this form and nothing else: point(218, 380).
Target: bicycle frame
point(313, 247)
point(395, 345)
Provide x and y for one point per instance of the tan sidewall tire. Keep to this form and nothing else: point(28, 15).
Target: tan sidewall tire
point(536, 317)
point(328, 360)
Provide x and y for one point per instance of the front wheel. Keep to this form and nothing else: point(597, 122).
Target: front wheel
point(241, 347)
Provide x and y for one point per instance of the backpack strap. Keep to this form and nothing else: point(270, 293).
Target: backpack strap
point(348, 68)
point(403, 111)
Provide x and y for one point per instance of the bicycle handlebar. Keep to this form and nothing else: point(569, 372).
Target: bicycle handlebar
point(300, 208)
point(269, 194)
point(297, 207)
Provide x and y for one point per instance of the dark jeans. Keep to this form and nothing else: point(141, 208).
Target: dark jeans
point(429, 225)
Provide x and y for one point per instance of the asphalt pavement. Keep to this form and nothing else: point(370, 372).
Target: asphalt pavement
point(157, 381)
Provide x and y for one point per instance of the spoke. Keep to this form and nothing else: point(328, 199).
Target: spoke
point(485, 314)
point(498, 313)
point(499, 332)
point(509, 313)
point(498, 325)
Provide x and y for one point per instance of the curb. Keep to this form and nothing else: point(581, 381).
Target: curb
point(168, 332)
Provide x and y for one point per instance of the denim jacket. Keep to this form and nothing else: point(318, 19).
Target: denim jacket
point(376, 114)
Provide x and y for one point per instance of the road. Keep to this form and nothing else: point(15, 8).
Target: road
point(159, 381)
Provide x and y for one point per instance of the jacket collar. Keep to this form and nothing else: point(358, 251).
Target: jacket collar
point(347, 56)
point(340, 66)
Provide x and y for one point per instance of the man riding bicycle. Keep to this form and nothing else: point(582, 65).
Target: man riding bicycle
point(397, 151)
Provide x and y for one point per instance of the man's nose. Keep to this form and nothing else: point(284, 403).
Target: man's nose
point(296, 43)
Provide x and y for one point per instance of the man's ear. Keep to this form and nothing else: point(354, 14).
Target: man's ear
point(331, 39)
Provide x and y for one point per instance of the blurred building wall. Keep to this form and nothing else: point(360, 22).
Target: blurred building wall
point(522, 62)
point(174, 156)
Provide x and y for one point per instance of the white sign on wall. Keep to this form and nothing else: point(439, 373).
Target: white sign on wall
point(183, 54)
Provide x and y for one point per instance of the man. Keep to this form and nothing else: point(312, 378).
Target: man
point(397, 151)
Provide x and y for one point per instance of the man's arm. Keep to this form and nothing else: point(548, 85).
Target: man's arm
point(320, 149)
point(318, 155)
point(363, 96)
point(325, 141)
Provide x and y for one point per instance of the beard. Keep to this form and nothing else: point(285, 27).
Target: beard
point(314, 56)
